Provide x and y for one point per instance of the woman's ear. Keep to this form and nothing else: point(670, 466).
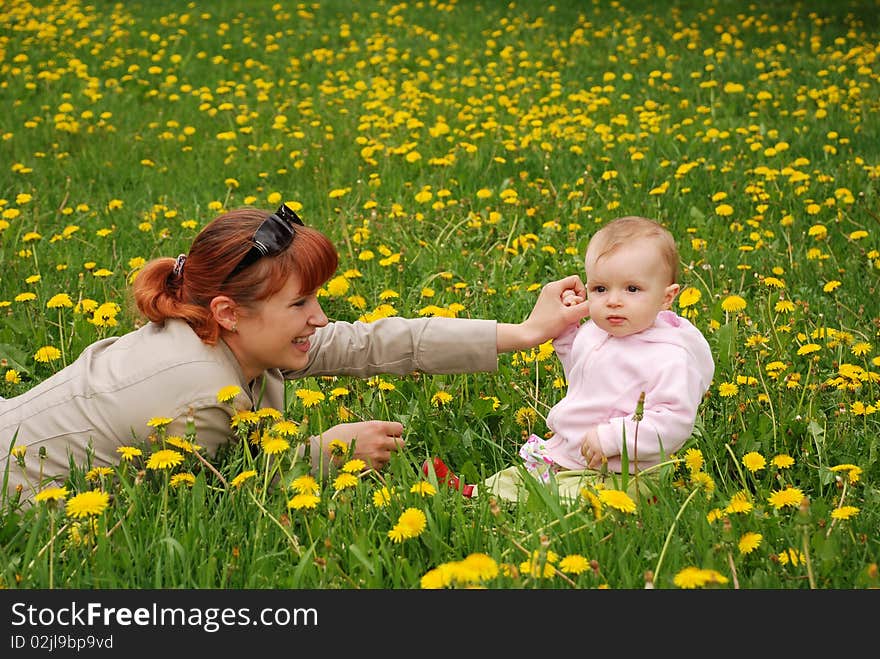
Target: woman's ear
point(225, 313)
point(669, 295)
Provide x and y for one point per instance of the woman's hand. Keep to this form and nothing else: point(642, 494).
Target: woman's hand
point(550, 317)
point(375, 441)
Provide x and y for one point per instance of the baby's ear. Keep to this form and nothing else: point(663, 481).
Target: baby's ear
point(669, 295)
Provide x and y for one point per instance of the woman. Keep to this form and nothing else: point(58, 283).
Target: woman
point(241, 309)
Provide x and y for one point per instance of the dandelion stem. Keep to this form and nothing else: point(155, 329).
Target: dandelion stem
point(669, 534)
point(290, 538)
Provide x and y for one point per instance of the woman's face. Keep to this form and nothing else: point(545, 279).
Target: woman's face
point(276, 334)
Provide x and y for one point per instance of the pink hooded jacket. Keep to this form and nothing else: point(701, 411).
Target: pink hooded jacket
point(670, 361)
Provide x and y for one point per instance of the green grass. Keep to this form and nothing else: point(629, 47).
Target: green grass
point(481, 148)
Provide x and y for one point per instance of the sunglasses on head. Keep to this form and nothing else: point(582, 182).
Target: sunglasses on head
point(272, 237)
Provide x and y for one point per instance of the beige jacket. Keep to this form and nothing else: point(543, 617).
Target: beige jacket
point(105, 398)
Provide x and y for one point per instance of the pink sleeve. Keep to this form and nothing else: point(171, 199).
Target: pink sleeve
point(562, 345)
point(668, 420)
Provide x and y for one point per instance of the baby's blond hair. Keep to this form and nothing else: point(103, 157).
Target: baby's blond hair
point(622, 230)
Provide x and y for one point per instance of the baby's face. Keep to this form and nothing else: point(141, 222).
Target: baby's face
point(628, 287)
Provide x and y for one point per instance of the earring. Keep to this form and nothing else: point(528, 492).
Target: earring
point(234, 328)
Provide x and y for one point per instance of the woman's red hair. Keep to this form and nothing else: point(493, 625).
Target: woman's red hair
point(161, 294)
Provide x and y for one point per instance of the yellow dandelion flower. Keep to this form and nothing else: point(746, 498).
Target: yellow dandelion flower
point(338, 392)
point(47, 354)
point(844, 512)
point(274, 445)
point(12, 376)
point(85, 504)
point(159, 421)
point(525, 416)
point(227, 394)
point(97, 473)
point(411, 523)
point(60, 300)
point(381, 497)
point(782, 461)
point(618, 500)
point(749, 542)
point(441, 398)
point(305, 484)
point(853, 472)
point(574, 564)
point(790, 497)
point(694, 577)
point(808, 348)
point(51, 494)
point(727, 389)
point(754, 461)
point(693, 459)
point(185, 478)
point(242, 477)
point(423, 488)
point(830, 286)
point(689, 297)
point(269, 413)
point(733, 303)
point(354, 466)
point(344, 481)
point(534, 567)
point(129, 453)
point(303, 501)
point(309, 397)
point(739, 503)
point(793, 556)
point(164, 459)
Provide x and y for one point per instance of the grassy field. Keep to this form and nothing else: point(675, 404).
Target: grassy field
point(461, 154)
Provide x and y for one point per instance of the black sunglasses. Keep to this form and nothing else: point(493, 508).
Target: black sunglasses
point(272, 237)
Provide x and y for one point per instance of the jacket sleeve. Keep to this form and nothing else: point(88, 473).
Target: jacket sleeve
point(562, 347)
point(670, 410)
point(401, 346)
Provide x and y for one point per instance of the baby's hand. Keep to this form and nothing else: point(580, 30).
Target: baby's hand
point(591, 450)
point(570, 298)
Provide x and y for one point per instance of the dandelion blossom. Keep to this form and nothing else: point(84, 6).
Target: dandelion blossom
point(694, 577)
point(381, 497)
point(790, 497)
point(305, 485)
point(808, 348)
point(844, 512)
point(574, 564)
point(129, 453)
point(273, 445)
point(309, 397)
point(47, 354)
point(689, 297)
point(344, 481)
point(727, 389)
point(733, 303)
point(782, 461)
point(186, 479)
point(164, 459)
point(617, 499)
point(423, 488)
point(227, 394)
point(242, 477)
point(159, 421)
point(749, 542)
point(51, 494)
point(85, 504)
point(441, 398)
point(410, 524)
point(754, 461)
point(302, 501)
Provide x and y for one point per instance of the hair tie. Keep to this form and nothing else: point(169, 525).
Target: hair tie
point(178, 266)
